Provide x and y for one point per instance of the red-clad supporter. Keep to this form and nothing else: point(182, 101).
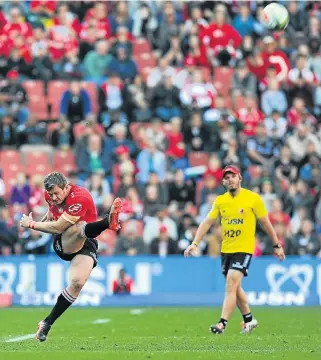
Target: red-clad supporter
point(98, 12)
point(277, 58)
point(298, 113)
point(124, 284)
point(270, 74)
point(24, 50)
point(176, 148)
point(250, 115)
point(67, 18)
point(277, 215)
point(196, 52)
point(214, 168)
point(197, 18)
point(43, 7)
point(17, 25)
point(93, 30)
point(125, 164)
point(220, 35)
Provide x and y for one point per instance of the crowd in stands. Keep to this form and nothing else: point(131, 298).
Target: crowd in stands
point(148, 101)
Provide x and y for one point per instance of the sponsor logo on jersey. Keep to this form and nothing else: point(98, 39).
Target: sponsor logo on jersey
point(235, 222)
point(74, 208)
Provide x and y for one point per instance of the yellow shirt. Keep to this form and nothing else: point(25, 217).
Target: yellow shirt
point(238, 219)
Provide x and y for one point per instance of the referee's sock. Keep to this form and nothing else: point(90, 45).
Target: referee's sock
point(94, 229)
point(223, 321)
point(63, 302)
point(247, 317)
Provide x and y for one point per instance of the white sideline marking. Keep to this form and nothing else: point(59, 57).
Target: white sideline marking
point(137, 311)
point(21, 338)
point(101, 321)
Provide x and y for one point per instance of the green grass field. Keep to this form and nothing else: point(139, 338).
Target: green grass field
point(161, 333)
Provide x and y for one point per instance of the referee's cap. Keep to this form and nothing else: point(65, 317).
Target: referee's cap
point(231, 169)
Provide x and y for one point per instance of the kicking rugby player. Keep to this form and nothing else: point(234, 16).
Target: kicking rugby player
point(238, 209)
point(72, 219)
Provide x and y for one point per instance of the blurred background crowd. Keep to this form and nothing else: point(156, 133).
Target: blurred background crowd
point(148, 101)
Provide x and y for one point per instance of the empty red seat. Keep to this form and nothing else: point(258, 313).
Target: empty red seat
point(56, 89)
point(223, 79)
point(38, 169)
point(91, 88)
point(239, 103)
point(64, 161)
point(198, 158)
point(141, 46)
point(36, 157)
point(34, 87)
point(10, 157)
point(38, 106)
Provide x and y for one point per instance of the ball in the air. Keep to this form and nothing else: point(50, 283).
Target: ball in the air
point(275, 16)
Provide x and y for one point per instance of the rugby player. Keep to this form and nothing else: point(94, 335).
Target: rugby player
point(72, 219)
point(238, 209)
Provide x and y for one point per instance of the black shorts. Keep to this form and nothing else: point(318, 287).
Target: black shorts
point(236, 261)
point(90, 249)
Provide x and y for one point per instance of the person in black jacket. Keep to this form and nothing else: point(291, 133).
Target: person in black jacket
point(8, 135)
point(163, 245)
point(196, 135)
point(166, 100)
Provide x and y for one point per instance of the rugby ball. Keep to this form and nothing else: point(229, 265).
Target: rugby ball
point(275, 17)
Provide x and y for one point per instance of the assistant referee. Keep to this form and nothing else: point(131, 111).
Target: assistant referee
point(238, 209)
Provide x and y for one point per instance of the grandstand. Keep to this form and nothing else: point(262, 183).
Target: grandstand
point(149, 102)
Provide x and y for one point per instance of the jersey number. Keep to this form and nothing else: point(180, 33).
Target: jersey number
point(232, 233)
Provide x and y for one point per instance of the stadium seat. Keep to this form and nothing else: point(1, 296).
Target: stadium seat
point(91, 88)
point(64, 161)
point(10, 157)
point(36, 157)
point(145, 60)
point(55, 91)
point(141, 46)
point(39, 169)
point(239, 103)
point(223, 79)
point(38, 106)
point(206, 74)
point(197, 158)
point(34, 87)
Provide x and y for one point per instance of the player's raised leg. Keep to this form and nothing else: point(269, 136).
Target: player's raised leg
point(80, 270)
point(233, 281)
point(249, 323)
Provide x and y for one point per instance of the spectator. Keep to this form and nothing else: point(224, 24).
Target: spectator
point(196, 52)
point(155, 76)
point(300, 214)
point(162, 190)
point(130, 243)
point(196, 18)
point(181, 190)
point(260, 149)
point(43, 67)
point(188, 238)
point(33, 132)
point(273, 99)
point(123, 65)
point(153, 224)
point(119, 133)
point(221, 39)
point(123, 285)
point(36, 243)
point(96, 63)
point(163, 245)
point(8, 134)
point(198, 95)
point(270, 75)
point(62, 137)
point(123, 38)
point(156, 133)
point(120, 17)
point(244, 23)
point(149, 161)
point(75, 104)
point(214, 168)
point(243, 82)
point(176, 146)
point(250, 115)
point(125, 165)
point(127, 182)
point(276, 126)
point(17, 25)
point(211, 186)
point(136, 102)
point(98, 187)
point(277, 215)
point(14, 98)
point(196, 135)
point(145, 24)
point(174, 55)
point(21, 191)
point(70, 67)
point(285, 169)
point(300, 141)
point(306, 240)
point(165, 100)
point(93, 158)
point(313, 30)
point(298, 19)
point(36, 203)
point(302, 81)
point(268, 194)
point(151, 196)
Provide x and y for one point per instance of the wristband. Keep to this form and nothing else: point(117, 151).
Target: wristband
point(277, 246)
point(194, 243)
point(32, 225)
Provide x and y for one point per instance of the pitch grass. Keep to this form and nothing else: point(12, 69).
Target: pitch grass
point(162, 333)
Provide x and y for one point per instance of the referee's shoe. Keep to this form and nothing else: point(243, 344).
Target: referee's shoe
point(217, 329)
point(43, 330)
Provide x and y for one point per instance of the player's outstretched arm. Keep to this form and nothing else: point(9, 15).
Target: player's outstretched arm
point(50, 227)
point(201, 232)
point(278, 250)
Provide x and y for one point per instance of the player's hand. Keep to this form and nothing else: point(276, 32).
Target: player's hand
point(25, 220)
point(279, 252)
point(189, 250)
